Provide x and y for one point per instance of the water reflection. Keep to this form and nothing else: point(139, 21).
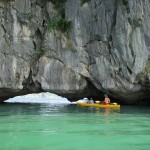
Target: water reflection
point(105, 111)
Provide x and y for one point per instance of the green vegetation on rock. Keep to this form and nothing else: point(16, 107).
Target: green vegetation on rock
point(97, 37)
point(137, 22)
point(42, 2)
point(59, 5)
point(59, 24)
point(39, 53)
point(30, 15)
point(122, 2)
point(5, 1)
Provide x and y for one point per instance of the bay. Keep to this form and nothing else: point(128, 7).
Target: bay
point(70, 127)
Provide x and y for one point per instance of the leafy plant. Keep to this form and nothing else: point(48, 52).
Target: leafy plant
point(42, 2)
point(59, 5)
point(5, 1)
point(5, 36)
point(122, 2)
point(125, 2)
point(59, 24)
point(30, 15)
point(39, 53)
point(137, 22)
point(95, 18)
point(97, 37)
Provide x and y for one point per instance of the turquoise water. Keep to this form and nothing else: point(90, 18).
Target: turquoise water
point(52, 127)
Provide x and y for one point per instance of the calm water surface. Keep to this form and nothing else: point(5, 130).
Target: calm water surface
point(52, 127)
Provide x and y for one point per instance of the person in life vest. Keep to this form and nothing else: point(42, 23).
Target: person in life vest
point(91, 101)
point(106, 100)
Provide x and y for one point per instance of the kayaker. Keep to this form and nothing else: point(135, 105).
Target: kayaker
point(91, 101)
point(106, 100)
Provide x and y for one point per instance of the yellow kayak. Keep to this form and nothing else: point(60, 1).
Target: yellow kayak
point(113, 105)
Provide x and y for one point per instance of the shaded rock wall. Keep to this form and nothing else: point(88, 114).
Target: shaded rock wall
point(106, 50)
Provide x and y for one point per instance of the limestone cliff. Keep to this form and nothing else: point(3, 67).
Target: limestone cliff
point(75, 48)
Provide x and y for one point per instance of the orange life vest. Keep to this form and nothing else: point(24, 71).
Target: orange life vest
point(107, 100)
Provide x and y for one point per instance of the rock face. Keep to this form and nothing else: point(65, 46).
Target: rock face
point(104, 50)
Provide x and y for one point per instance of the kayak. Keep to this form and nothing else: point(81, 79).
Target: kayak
point(113, 105)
